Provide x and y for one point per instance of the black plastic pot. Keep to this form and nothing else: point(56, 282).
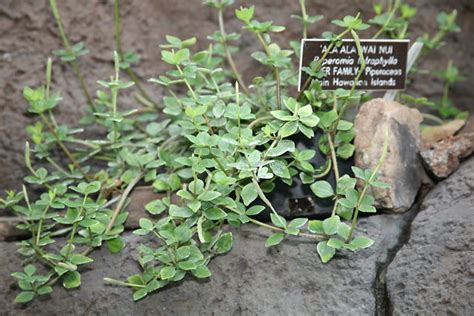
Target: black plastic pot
point(298, 200)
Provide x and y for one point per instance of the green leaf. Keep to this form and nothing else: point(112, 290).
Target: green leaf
point(155, 207)
point(343, 230)
point(335, 243)
point(224, 243)
point(24, 297)
point(78, 259)
point(297, 222)
point(146, 224)
point(359, 242)
point(30, 269)
point(71, 279)
point(135, 279)
point(177, 211)
point(139, 294)
point(45, 290)
point(316, 226)
point(245, 14)
point(187, 265)
point(282, 147)
point(202, 272)
point(214, 213)
point(367, 208)
point(305, 111)
point(115, 245)
point(208, 196)
point(280, 169)
point(322, 189)
point(254, 210)
point(331, 224)
point(274, 239)
point(325, 252)
point(345, 151)
point(288, 129)
point(283, 115)
point(278, 220)
point(344, 125)
point(249, 193)
point(167, 272)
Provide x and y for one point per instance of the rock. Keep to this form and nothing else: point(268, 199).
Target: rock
point(139, 198)
point(8, 230)
point(439, 132)
point(433, 273)
point(402, 167)
point(250, 280)
point(443, 157)
point(469, 126)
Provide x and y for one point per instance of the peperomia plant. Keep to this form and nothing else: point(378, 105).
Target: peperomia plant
point(214, 147)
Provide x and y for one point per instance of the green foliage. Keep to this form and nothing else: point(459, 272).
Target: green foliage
point(214, 149)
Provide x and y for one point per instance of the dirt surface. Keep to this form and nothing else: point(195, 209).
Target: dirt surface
point(28, 34)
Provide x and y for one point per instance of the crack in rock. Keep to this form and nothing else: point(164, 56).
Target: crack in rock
point(380, 287)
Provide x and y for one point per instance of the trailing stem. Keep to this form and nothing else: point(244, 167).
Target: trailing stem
point(368, 183)
point(75, 66)
point(276, 70)
point(228, 54)
point(118, 48)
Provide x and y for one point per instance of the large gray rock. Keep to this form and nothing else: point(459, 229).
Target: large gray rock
point(402, 168)
point(250, 280)
point(433, 274)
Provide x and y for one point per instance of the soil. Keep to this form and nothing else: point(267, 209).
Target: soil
point(29, 34)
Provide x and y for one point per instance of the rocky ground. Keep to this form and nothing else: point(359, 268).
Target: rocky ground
point(422, 264)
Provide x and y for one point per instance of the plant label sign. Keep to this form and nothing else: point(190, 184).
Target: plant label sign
point(386, 64)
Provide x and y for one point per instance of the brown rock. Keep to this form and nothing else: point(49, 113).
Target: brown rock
point(140, 196)
point(443, 157)
point(8, 230)
point(402, 168)
point(439, 132)
point(469, 126)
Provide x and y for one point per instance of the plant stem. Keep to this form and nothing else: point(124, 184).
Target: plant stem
point(326, 169)
point(367, 184)
point(61, 144)
point(74, 228)
point(118, 48)
point(276, 70)
point(304, 17)
point(75, 66)
point(258, 120)
point(333, 157)
point(40, 225)
point(230, 60)
point(121, 283)
point(191, 90)
point(388, 20)
point(262, 195)
point(122, 201)
point(433, 118)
